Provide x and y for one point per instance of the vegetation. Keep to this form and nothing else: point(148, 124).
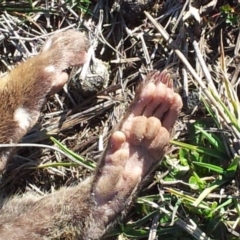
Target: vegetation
point(195, 191)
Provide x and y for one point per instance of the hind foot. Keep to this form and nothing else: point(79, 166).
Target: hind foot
point(139, 143)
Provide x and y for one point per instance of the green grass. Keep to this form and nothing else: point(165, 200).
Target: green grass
point(194, 192)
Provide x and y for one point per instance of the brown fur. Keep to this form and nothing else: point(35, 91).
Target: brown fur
point(28, 84)
point(89, 209)
point(69, 213)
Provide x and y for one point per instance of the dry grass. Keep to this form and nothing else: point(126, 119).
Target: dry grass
point(200, 43)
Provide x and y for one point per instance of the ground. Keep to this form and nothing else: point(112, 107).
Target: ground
point(197, 184)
